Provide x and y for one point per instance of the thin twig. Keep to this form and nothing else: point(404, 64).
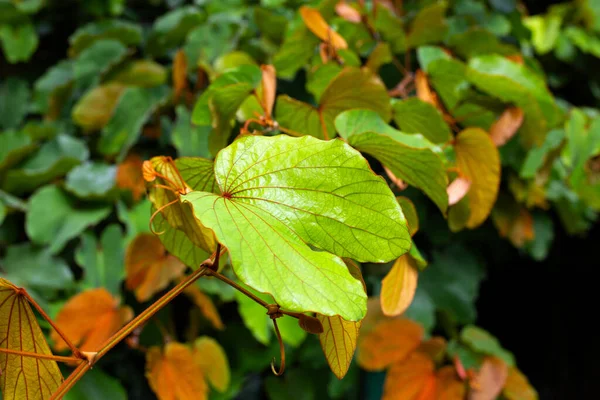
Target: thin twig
point(41, 356)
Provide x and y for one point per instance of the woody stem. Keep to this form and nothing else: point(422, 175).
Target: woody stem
point(40, 356)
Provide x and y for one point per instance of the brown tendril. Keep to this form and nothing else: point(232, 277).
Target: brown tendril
point(155, 213)
point(281, 348)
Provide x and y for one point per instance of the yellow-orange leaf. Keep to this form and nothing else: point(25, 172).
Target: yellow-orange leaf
point(130, 177)
point(457, 190)
point(96, 107)
point(268, 88)
point(21, 377)
point(180, 83)
point(506, 126)
point(423, 89)
point(89, 319)
point(338, 342)
point(489, 380)
point(314, 21)
point(517, 386)
point(347, 12)
point(211, 358)
point(148, 267)
point(399, 286)
point(411, 379)
point(389, 342)
point(173, 374)
point(477, 157)
point(449, 386)
point(435, 347)
point(206, 306)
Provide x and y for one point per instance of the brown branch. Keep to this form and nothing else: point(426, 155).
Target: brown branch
point(41, 356)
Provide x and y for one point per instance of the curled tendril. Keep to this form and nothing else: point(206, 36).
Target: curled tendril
point(155, 213)
point(281, 350)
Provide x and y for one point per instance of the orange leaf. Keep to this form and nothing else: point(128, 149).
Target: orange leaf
point(314, 21)
point(89, 319)
point(130, 176)
point(268, 88)
point(399, 286)
point(424, 91)
point(173, 374)
point(449, 386)
point(338, 342)
point(206, 306)
point(489, 380)
point(506, 126)
point(389, 342)
point(435, 347)
point(22, 377)
point(411, 379)
point(347, 12)
point(180, 83)
point(148, 267)
point(517, 386)
point(211, 358)
point(458, 189)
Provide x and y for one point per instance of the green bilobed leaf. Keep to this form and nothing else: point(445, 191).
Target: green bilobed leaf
point(301, 118)
point(142, 73)
point(97, 385)
point(416, 116)
point(15, 102)
point(54, 158)
point(18, 41)
point(188, 139)
point(14, 146)
point(482, 342)
point(125, 32)
point(65, 221)
point(125, 126)
point(399, 152)
point(96, 60)
point(91, 180)
point(259, 214)
point(429, 25)
point(171, 29)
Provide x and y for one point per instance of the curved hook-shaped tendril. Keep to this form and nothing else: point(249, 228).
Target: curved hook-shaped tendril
point(155, 213)
point(281, 351)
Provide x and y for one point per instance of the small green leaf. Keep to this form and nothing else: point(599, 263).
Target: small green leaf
point(91, 180)
point(14, 146)
point(96, 60)
point(295, 52)
point(171, 29)
point(13, 111)
point(391, 29)
point(125, 32)
point(318, 81)
point(54, 218)
point(428, 54)
point(55, 78)
point(416, 116)
point(19, 41)
point(429, 25)
point(482, 342)
point(449, 79)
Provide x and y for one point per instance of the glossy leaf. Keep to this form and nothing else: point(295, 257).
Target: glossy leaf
point(478, 158)
point(211, 358)
point(23, 377)
point(416, 116)
point(399, 286)
point(338, 342)
point(253, 204)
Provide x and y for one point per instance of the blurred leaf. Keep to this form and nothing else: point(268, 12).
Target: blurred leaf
point(96, 60)
point(95, 109)
point(14, 146)
point(53, 80)
point(399, 286)
point(380, 56)
point(24, 377)
point(212, 359)
point(449, 78)
point(91, 180)
point(338, 341)
point(148, 267)
point(543, 227)
point(254, 317)
point(129, 176)
point(544, 30)
point(206, 306)
point(170, 30)
point(131, 113)
point(232, 60)
point(490, 379)
point(13, 111)
point(506, 126)
point(53, 159)
point(127, 33)
point(391, 28)
point(416, 116)
point(173, 374)
point(66, 220)
point(482, 342)
point(316, 24)
point(410, 212)
point(89, 318)
point(294, 385)
point(429, 25)
point(583, 40)
point(517, 387)
point(97, 385)
point(412, 378)
point(141, 73)
point(189, 140)
point(179, 74)
point(537, 155)
point(19, 41)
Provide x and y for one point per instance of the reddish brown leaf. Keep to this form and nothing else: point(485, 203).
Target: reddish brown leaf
point(130, 176)
point(458, 189)
point(180, 83)
point(310, 324)
point(490, 379)
point(400, 184)
point(314, 21)
point(506, 126)
point(89, 319)
point(411, 379)
point(148, 267)
point(424, 91)
point(449, 386)
point(435, 347)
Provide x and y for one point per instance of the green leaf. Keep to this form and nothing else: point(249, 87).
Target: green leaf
point(96, 60)
point(94, 110)
point(478, 41)
point(14, 146)
point(545, 30)
point(189, 140)
point(482, 342)
point(429, 25)
point(54, 159)
point(13, 111)
point(141, 73)
point(422, 309)
point(55, 78)
point(428, 54)
point(91, 180)
point(125, 32)
point(584, 41)
point(19, 41)
point(298, 210)
point(133, 110)
point(171, 29)
point(318, 81)
point(381, 55)
point(399, 152)
point(211, 39)
point(416, 116)
point(449, 79)
point(543, 227)
point(391, 29)
point(295, 52)
point(232, 60)
point(536, 157)
point(97, 385)
point(102, 263)
point(54, 218)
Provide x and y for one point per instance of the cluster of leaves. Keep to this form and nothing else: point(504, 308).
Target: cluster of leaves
point(297, 104)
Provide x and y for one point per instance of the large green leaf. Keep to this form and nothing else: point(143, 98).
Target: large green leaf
point(18, 41)
point(171, 29)
point(416, 116)
point(405, 155)
point(54, 218)
point(282, 194)
point(96, 60)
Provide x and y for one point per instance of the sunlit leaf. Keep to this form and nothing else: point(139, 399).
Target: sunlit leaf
point(399, 285)
point(90, 318)
point(390, 342)
point(338, 342)
point(23, 377)
point(506, 126)
point(174, 375)
point(490, 379)
point(410, 212)
point(478, 158)
point(149, 269)
point(412, 378)
point(317, 25)
point(211, 358)
point(251, 203)
point(517, 387)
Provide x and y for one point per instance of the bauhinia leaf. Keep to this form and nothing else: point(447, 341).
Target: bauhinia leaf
point(174, 375)
point(211, 358)
point(478, 158)
point(338, 342)
point(25, 378)
point(148, 267)
point(401, 338)
point(89, 319)
point(317, 25)
point(399, 286)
